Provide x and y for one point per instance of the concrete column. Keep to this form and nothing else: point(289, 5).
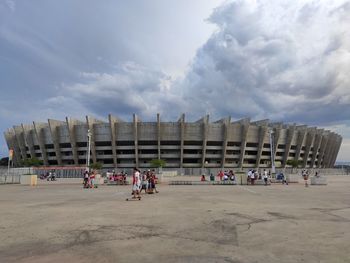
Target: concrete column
point(20, 141)
point(290, 137)
point(263, 128)
point(323, 148)
point(28, 138)
point(276, 137)
point(53, 125)
point(327, 150)
point(71, 130)
point(90, 121)
point(39, 136)
point(309, 142)
point(334, 151)
point(136, 140)
point(245, 123)
point(331, 149)
point(339, 141)
point(205, 138)
point(182, 138)
point(302, 131)
point(112, 124)
point(226, 130)
point(158, 134)
point(12, 144)
point(317, 145)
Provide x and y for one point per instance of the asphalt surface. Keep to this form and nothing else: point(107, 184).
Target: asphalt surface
point(61, 222)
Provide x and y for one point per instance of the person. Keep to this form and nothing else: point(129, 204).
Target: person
point(92, 180)
point(50, 175)
point(284, 179)
point(136, 184)
point(212, 177)
point(221, 174)
point(305, 175)
point(53, 176)
point(86, 179)
point(225, 176)
point(144, 182)
point(252, 177)
point(232, 176)
point(153, 182)
point(203, 178)
point(265, 175)
point(249, 174)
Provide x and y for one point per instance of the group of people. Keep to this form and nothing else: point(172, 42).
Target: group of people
point(253, 175)
point(49, 176)
point(89, 179)
point(145, 181)
point(119, 178)
point(226, 175)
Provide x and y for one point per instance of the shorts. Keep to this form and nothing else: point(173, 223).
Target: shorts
point(136, 187)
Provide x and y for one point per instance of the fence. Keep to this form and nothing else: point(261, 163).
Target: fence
point(215, 171)
point(13, 176)
point(61, 172)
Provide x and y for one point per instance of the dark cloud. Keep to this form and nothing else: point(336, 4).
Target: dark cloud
point(132, 88)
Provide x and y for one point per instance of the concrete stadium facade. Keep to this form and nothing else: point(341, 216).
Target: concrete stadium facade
point(201, 144)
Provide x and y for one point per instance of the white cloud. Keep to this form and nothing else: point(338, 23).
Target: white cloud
point(276, 59)
point(11, 4)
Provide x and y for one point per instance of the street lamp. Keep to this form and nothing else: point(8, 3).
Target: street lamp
point(272, 149)
point(207, 172)
point(88, 151)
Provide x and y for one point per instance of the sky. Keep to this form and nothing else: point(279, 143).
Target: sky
point(281, 60)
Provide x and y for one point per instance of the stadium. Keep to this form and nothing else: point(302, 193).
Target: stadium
point(223, 143)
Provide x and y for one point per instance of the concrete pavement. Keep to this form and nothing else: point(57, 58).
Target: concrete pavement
point(241, 224)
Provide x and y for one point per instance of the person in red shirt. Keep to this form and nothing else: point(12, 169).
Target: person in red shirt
point(92, 180)
point(221, 175)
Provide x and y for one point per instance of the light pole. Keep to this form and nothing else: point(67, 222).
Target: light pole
point(207, 172)
point(88, 151)
point(272, 148)
point(8, 165)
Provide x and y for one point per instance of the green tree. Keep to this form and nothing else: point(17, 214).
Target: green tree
point(96, 166)
point(294, 163)
point(158, 163)
point(29, 162)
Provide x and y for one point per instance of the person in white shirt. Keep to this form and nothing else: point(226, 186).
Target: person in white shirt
point(136, 183)
point(265, 176)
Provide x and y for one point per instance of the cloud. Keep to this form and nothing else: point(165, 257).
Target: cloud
point(279, 59)
point(131, 88)
point(284, 60)
point(10, 4)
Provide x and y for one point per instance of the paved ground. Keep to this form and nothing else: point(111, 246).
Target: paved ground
point(241, 224)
